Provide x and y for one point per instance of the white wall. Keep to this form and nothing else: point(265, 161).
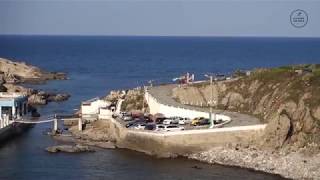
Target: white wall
point(167, 110)
point(105, 113)
point(93, 108)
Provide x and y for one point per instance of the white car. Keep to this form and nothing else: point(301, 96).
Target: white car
point(139, 126)
point(127, 118)
point(171, 121)
point(184, 121)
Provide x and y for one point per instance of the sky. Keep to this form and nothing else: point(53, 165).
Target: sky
point(158, 18)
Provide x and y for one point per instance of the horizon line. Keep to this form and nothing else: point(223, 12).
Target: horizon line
point(183, 36)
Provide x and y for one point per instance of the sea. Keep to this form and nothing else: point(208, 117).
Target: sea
point(98, 64)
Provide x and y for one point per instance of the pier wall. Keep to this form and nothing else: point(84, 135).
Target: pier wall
point(167, 144)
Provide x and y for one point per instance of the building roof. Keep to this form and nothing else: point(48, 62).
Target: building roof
point(5, 96)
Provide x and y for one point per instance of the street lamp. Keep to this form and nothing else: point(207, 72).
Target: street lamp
point(211, 100)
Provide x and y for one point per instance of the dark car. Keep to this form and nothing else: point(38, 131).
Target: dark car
point(150, 127)
point(160, 120)
point(134, 122)
point(204, 122)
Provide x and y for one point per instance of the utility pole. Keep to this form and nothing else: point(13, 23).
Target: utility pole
point(211, 99)
point(144, 91)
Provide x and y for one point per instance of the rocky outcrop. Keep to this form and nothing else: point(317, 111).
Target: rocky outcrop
point(277, 130)
point(17, 72)
point(69, 148)
point(287, 100)
point(42, 98)
point(133, 99)
point(12, 73)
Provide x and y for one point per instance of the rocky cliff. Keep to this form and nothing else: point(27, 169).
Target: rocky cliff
point(287, 98)
point(133, 99)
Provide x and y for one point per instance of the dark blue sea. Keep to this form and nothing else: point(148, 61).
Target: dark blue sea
point(98, 64)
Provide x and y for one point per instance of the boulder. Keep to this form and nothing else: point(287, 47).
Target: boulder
point(69, 148)
point(37, 99)
point(277, 130)
point(58, 97)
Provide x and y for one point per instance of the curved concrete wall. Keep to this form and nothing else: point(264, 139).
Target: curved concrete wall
point(181, 142)
point(156, 107)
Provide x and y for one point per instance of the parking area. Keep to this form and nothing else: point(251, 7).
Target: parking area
point(158, 122)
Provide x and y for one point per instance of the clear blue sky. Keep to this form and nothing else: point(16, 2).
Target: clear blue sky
point(176, 18)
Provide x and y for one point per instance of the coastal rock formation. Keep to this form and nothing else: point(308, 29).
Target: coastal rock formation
point(277, 130)
point(22, 72)
point(69, 148)
point(13, 73)
point(287, 164)
point(133, 99)
point(284, 97)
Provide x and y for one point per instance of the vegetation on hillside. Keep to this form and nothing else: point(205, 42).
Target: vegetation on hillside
point(287, 98)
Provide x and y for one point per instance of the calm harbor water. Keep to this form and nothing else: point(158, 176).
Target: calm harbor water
point(97, 65)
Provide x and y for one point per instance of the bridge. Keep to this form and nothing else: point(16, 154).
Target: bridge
point(52, 118)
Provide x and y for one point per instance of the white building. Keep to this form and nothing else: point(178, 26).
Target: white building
point(91, 109)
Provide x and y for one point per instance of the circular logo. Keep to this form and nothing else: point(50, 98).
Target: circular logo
point(299, 18)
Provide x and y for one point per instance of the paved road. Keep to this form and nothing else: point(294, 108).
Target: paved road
point(163, 94)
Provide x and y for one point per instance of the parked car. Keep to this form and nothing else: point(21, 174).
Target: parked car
point(150, 126)
point(183, 121)
point(173, 128)
point(200, 121)
point(205, 121)
point(196, 120)
point(127, 118)
point(170, 121)
point(160, 127)
point(134, 122)
point(139, 126)
point(160, 120)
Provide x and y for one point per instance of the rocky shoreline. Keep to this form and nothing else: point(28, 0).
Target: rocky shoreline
point(293, 165)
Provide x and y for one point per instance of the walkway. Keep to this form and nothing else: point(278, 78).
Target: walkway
point(163, 94)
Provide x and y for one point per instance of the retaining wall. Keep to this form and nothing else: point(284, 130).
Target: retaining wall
point(156, 107)
point(166, 144)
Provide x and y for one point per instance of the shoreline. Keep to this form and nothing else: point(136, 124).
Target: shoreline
point(293, 165)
